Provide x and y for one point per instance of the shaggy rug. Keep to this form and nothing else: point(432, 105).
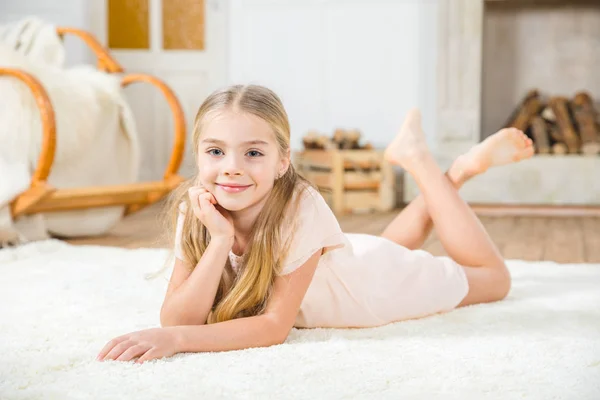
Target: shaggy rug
point(60, 304)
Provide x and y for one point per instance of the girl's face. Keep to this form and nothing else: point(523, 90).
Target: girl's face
point(238, 159)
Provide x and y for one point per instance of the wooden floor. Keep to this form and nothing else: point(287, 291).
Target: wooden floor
point(560, 239)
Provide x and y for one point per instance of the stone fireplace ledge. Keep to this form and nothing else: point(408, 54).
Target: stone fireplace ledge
point(541, 180)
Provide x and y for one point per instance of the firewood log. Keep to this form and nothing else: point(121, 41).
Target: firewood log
point(339, 138)
point(585, 116)
point(326, 143)
point(548, 114)
point(310, 140)
point(352, 139)
point(527, 109)
point(560, 107)
point(540, 135)
point(555, 133)
point(557, 145)
point(559, 148)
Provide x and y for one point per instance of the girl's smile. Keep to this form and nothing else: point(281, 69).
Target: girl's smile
point(232, 187)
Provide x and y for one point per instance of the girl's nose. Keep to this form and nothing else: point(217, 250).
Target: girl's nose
point(232, 172)
point(232, 167)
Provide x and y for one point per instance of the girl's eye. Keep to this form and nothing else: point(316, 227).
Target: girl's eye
point(254, 153)
point(214, 152)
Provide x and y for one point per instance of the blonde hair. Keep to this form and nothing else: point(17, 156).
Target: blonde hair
point(247, 293)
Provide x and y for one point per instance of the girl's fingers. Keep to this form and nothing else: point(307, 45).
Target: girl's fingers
point(209, 197)
point(200, 198)
point(208, 194)
point(110, 345)
point(149, 355)
point(118, 350)
point(205, 201)
point(194, 201)
point(196, 192)
point(133, 352)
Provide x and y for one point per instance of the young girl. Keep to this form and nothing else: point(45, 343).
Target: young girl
point(258, 251)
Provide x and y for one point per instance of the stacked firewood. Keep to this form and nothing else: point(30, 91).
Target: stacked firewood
point(559, 125)
point(342, 140)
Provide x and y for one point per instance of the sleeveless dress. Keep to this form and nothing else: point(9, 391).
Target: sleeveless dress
point(361, 280)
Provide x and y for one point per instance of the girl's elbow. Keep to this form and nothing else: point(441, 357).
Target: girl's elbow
point(276, 338)
point(281, 339)
point(166, 321)
point(278, 332)
point(271, 339)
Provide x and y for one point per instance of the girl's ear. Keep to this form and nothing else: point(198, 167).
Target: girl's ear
point(285, 163)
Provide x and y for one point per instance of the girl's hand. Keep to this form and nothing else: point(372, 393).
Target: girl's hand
point(147, 345)
point(217, 220)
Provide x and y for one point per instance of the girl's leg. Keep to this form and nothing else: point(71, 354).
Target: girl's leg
point(460, 232)
point(413, 224)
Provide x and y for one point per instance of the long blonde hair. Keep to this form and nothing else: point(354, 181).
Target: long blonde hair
point(246, 293)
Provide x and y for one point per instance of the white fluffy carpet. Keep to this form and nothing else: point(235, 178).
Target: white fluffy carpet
point(60, 304)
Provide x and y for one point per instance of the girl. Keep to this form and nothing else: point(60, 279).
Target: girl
point(258, 251)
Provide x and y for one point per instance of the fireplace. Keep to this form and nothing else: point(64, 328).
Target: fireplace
point(549, 47)
point(491, 56)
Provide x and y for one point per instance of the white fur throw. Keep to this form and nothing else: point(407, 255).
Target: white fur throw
point(96, 139)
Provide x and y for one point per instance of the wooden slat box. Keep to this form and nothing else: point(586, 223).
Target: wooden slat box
point(350, 180)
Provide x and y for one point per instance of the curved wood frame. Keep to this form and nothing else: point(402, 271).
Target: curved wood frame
point(48, 122)
point(178, 139)
point(38, 189)
point(178, 118)
point(40, 197)
point(105, 62)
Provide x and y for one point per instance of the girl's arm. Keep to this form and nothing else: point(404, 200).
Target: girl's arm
point(190, 295)
point(267, 329)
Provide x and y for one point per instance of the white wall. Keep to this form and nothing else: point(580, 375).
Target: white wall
point(75, 13)
point(335, 63)
point(339, 63)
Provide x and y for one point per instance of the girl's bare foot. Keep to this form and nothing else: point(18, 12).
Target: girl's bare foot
point(409, 145)
point(503, 147)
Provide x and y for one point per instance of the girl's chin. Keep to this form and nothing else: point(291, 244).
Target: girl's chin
point(230, 204)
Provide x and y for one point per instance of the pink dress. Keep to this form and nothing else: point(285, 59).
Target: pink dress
point(361, 280)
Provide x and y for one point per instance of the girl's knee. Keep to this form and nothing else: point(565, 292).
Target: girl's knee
point(502, 282)
point(487, 284)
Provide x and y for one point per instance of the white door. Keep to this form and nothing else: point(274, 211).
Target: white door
point(191, 74)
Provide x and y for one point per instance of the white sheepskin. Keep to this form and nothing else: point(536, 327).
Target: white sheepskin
point(96, 137)
point(60, 304)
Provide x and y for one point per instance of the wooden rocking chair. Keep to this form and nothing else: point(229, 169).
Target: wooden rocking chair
point(41, 197)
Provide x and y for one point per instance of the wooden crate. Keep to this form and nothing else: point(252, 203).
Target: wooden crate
point(349, 180)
